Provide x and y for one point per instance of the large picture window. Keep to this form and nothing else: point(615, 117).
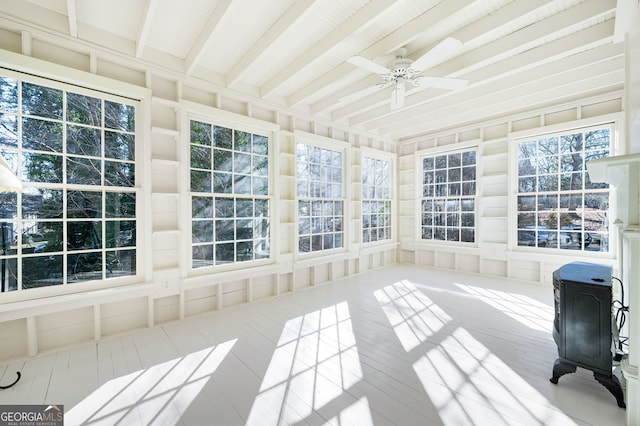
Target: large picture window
point(448, 201)
point(229, 195)
point(376, 200)
point(558, 206)
point(74, 151)
point(320, 198)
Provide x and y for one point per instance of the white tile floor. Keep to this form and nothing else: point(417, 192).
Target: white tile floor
point(402, 345)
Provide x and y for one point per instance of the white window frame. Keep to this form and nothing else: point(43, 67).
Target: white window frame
point(392, 160)
point(614, 121)
point(217, 117)
point(334, 145)
point(433, 152)
point(49, 74)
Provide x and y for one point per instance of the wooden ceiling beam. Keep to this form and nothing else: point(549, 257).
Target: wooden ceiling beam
point(277, 31)
point(199, 47)
point(145, 26)
point(73, 18)
point(366, 16)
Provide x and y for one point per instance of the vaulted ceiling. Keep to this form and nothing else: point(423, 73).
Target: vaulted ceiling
point(515, 54)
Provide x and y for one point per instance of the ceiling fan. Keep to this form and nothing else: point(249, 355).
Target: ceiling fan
point(403, 71)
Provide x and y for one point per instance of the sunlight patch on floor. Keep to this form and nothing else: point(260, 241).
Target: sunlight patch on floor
point(159, 394)
point(526, 310)
point(468, 384)
point(413, 316)
point(315, 361)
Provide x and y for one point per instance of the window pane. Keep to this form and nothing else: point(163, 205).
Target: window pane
point(118, 173)
point(42, 203)
point(8, 130)
point(562, 215)
point(41, 271)
point(83, 171)
point(83, 141)
point(222, 137)
point(200, 181)
point(120, 263)
point(120, 146)
point(84, 204)
point(84, 267)
point(119, 116)
point(222, 183)
point(84, 109)
point(41, 167)
point(222, 160)
point(260, 145)
point(120, 233)
point(200, 133)
point(225, 253)
point(242, 141)
point(41, 135)
point(202, 207)
point(84, 235)
point(202, 231)
point(202, 255)
point(454, 175)
point(200, 157)
point(55, 138)
point(8, 94)
point(120, 205)
point(41, 101)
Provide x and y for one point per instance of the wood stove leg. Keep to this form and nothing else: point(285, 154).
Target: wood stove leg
point(560, 368)
point(613, 384)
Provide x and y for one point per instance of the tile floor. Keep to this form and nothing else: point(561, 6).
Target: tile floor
point(402, 345)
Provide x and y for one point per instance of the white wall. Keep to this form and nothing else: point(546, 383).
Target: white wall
point(168, 290)
point(494, 254)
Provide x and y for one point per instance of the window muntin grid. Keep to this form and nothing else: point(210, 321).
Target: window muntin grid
point(319, 190)
point(376, 200)
point(448, 198)
point(558, 207)
point(229, 181)
point(75, 219)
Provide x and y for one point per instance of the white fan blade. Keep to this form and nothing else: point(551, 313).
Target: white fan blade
point(368, 65)
point(397, 97)
point(442, 83)
point(441, 52)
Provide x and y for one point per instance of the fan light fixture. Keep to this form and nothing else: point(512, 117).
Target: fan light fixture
point(403, 71)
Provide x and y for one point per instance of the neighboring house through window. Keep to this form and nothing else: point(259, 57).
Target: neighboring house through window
point(558, 207)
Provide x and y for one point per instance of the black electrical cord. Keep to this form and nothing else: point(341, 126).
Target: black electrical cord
point(621, 316)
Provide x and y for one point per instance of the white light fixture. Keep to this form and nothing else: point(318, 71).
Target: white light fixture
point(8, 181)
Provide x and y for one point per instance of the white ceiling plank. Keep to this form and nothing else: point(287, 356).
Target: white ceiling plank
point(554, 52)
point(506, 15)
point(505, 47)
point(145, 26)
point(277, 31)
point(73, 18)
point(199, 47)
point(409, 31)
point(570, 70)
point(363, 18)
point(552, 91)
